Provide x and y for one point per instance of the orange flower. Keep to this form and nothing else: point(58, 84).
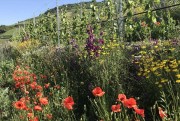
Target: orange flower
point(34, 77)
point(18, 85)
point(29, 115)
point(38, 87)
point(33, 85)
point(130, 103)
point(23, 99)
point(38, 108)
point(97, 92)
point(49, 116)
point(116, 108)
point(121, 97)
point(68, 103)
point(39, 94)
point(139, 111)
point(162, 114)
point(19, 105)
point(43, 101)
point(34, 119)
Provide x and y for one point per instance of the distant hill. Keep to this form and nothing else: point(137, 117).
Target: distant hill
point(73, 7)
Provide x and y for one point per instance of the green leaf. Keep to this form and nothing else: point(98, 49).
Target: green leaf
point(154, 19)
point(157, 1)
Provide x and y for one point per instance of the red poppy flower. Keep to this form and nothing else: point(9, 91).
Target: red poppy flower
point(39, 94)
point(23, 99)
point(38, 87)
point(33, 85)
point(121, 97)
point(162, 114)
point(130, 103)
point(43, 101)
point(97, 92)
point(68, 103)
point(29, 115)
point(34, 119)
point(34, 77)
point(19, 105)
point(38, 108)
point(139, 111)
point(18, 85)
point(116, 108)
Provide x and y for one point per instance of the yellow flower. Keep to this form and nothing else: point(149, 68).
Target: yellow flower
point(158, 75)
point(164, 61)
point(147, 77)
point(164, 80)
point(175, 70)
point(143, 47)
point(136, 62)
point(154, 69)
point(178, 76)
point(142, 52)
point(172, 49)
point(178, 81)
point(156, 46)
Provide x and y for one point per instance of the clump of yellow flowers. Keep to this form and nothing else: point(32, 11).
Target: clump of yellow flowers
point(159, 63)
point(27, 45)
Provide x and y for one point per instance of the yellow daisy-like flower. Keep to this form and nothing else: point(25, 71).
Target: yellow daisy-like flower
point(154, 69)
point(156, 46)
point(164, 80)
point(175, 70)
point(178, 76)
point(143, 47)
point(178, 81)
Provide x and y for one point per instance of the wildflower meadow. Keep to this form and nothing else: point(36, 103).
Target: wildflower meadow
point(94, 72)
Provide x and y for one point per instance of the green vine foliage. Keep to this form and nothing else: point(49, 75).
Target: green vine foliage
point(158, 24)
point(73, 24)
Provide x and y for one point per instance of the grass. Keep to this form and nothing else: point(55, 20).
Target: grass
point(9, 34)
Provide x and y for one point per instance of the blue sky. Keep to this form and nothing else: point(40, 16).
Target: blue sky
point(12, 11)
